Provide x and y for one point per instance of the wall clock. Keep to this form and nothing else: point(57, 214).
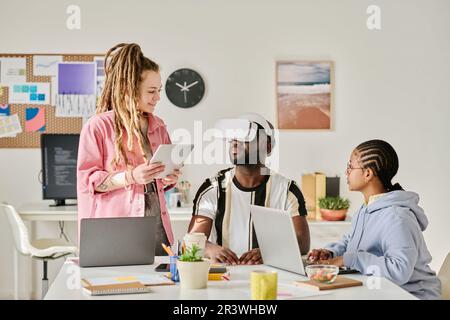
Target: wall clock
point(185, 88)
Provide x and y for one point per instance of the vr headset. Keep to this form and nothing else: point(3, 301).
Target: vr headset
point(243, 128)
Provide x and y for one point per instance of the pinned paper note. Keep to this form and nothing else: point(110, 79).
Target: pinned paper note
point(77, 89)
point(5, 110)
point(53, 90)
point(75, 105)
point(100, 75)
point(77, 78)
point(35, 119)
point(12, 135)
point(12, 70)
point(29, 93)
point(100, 64)
point(46, 65)
point(9, 125)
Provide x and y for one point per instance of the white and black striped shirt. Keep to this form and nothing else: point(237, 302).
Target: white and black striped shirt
point(229, 206)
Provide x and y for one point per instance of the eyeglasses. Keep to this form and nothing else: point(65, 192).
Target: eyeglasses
point(350, 168)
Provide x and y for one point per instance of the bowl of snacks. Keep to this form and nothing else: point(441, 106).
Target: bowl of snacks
point(322, 273)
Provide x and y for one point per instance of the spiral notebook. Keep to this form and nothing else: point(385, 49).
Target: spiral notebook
point(123, 285)
point(120, 288)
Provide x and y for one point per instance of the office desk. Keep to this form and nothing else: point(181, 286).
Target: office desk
point(66, 286)
point(43, 212)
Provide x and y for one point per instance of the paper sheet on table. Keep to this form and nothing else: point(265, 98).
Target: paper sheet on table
point(12, 70)
point(292, 292)
point(46, 65)
point(286, 291)
point(29, 93)
point(9, 126)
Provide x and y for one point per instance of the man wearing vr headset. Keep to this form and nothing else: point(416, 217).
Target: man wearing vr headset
point(222, 203)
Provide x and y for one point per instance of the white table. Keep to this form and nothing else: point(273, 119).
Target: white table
point(43, 212)
point(66, 286)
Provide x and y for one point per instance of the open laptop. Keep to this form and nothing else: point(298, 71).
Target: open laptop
point(277, 240)
point(117, 241)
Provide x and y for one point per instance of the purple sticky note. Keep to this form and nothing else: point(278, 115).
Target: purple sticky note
point(76, 78)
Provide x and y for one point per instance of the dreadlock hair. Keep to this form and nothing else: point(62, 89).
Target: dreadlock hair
point(381, 157)
point(124, 65)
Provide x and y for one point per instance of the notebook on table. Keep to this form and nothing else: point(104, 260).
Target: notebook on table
point(121, 288)
point(340, 282)
point(123, 285)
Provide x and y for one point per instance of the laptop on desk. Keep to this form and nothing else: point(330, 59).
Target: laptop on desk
point(278, 242)
point(117, 241)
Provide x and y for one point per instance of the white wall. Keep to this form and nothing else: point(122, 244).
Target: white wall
point(390, 84)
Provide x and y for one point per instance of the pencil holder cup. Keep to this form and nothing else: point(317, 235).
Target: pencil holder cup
point(174, 276)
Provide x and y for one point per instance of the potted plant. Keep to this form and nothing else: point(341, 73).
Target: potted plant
point(193, 269)
point(333, 208)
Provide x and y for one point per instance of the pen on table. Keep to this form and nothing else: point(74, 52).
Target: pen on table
point(167, 249)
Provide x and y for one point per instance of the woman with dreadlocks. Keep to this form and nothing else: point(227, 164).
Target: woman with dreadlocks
point(386, 235)
point(114, 176)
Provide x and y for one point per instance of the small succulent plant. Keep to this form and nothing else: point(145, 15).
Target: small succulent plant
point(334, 203)
point(191, 254)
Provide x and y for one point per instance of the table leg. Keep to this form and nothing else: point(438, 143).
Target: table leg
point(16, 273)
point(61, 231)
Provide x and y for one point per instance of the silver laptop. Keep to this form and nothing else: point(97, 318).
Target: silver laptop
point(277, 239)
point(117, 241)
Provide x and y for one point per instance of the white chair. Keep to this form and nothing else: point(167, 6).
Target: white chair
point(41, 249)
point(444, 276)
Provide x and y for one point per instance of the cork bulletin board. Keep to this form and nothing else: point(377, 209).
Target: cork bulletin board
point(53, 124)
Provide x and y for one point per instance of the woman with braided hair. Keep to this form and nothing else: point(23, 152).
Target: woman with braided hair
point(386, 235)
point(114, 176)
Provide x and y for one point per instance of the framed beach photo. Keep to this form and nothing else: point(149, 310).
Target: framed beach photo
point(304, 94)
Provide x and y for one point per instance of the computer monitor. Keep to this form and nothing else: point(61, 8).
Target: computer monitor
point(59, 167)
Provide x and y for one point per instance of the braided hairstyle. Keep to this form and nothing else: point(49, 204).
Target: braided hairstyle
point(381, 157)
point(124, 65)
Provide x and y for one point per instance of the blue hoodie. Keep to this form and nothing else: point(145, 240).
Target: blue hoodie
point(387, 235)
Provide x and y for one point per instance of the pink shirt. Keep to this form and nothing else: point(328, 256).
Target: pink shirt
point(95, 152)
